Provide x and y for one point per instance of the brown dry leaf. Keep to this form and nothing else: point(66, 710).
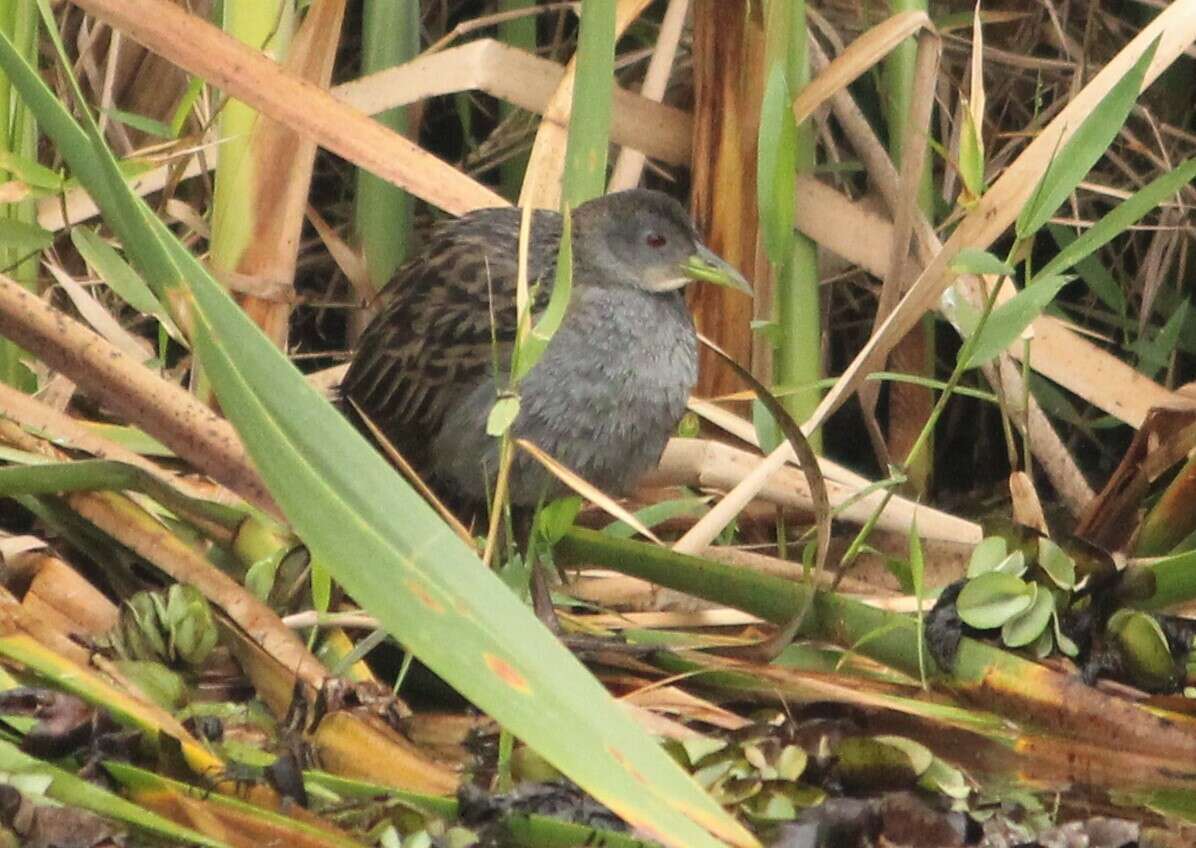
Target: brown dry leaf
point(845, 480)
point(77, 205)
point(670, 699)
point(1164, 439)
point(835, 222)
point(1027, 508)
point(12, 547)
point(383, 755)
point(910, 405)
point(197, 46)
point(718, 617)
point(275, 174)
point(350, 261)
point(713, 465)
point(659, 131)
point(1059, 352)
point(100, 319)
point(1175, 29)
point(728, 46)
point(362, 747)
point(14, 191)
point(239, 825)
point(857, 59)
point(60, 595)
point(527, 81)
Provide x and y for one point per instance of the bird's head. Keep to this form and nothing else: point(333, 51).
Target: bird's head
point(645, 239)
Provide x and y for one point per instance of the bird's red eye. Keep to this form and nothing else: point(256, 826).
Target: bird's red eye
point(655, 240)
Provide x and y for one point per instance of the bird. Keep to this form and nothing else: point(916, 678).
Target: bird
point(610, 386)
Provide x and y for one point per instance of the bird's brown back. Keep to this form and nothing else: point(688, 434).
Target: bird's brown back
point(447, 320)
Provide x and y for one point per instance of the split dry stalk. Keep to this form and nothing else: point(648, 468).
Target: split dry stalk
point(162, 409)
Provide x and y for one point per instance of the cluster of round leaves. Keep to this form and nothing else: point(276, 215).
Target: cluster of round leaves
point(1025, 592)
point(771, 779)
point(998, 595)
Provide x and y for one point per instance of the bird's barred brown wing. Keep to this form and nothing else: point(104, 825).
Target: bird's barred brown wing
point(447, 320)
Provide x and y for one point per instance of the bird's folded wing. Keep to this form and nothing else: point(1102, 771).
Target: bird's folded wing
point(447, 321)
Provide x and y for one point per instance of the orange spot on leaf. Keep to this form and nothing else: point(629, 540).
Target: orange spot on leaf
point(421, 595)
point(507, 673)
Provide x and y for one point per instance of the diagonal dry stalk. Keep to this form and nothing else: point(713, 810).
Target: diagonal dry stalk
point(1048, 447)
point(199, 47)
point(1175, 30)
point(162, 409)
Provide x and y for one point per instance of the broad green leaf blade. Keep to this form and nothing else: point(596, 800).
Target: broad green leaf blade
point(392, 553)
point(971, 156)
point(502, 415)
point(768, 433)
point(1013, 316)
point(1058, 565)
point(987, 555)
point(1155, 348)
point(92, 164)
point(32, 173)
point(91, 475)
point(1089, 143)
point(140, 122)
point(383, 213)
point(383, 543)
point(1023, 629)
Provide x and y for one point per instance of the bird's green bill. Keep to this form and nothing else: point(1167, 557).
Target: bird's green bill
point(708, 266)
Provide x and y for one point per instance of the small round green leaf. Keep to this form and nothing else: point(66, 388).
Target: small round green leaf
point(1023, 629)
point(1058, 565)
point(502, 415)
point(990, 600)
point(987, 555)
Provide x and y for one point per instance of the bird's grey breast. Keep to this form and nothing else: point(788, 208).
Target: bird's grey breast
point(612, 384)
point(604, 398)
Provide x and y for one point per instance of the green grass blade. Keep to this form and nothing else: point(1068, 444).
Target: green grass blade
point(1092, 271)
point(593, 91)
point(76, 792)
point(18, 146)
point(776, 165)
point(121, 278)
point(96, 475)
point(1125, 215)
point(1084, 148)
point(1013, 316)
point(383, 213)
